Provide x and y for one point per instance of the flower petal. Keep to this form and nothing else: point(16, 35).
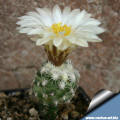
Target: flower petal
point(45, 16)
point(35, 31)
point(41, 41)
point(66, 11)
point(66, 44)
point(24, 30)
point(79, 42)
point(69, 19)
point(95, 40)
point(57, 41)
point(92, 21)
point(91, 29)
point(57, 16)
point(87, 35)
point(81, 18)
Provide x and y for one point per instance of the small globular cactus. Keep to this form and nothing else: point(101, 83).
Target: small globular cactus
point(60, 32)
point(55, 85)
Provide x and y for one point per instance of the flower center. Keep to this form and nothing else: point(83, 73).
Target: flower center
point(62, 30)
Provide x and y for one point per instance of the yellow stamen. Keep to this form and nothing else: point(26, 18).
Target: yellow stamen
point(59, 29)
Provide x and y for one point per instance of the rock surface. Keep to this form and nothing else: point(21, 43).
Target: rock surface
point(98, 64)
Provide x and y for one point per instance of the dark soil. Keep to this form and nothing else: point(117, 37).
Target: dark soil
point(19, 105)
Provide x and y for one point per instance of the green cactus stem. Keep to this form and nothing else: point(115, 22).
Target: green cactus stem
point(55, 85)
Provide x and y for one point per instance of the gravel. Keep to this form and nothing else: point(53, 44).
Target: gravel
point(21, 105)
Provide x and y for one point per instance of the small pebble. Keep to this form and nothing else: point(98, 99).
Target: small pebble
point(71, 106)
point(2, 95)
point(33, 118)
point(33, 112)
point(9, 118)
point(18, 93)
point(30, 92)
point(1, 102)
point(64, 116)
point(25, 102)
point(74, 114)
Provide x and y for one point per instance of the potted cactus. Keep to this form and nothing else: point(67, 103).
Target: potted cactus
point(60, 32)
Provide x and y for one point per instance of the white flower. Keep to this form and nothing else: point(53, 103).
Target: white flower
point(62, 85)
point(63, 29)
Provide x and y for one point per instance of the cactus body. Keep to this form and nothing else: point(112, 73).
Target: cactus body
point(55, 85)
